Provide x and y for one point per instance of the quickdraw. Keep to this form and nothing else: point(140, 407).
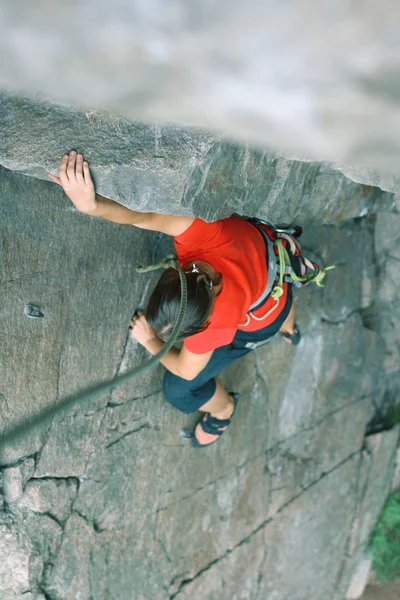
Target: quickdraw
point(287, 264)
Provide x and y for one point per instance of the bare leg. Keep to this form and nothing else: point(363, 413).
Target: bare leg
point(288, 324)
point(220, 405)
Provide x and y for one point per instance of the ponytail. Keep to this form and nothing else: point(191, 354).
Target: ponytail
point(164, 303)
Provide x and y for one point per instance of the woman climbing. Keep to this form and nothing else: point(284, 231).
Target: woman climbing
point(230, 309)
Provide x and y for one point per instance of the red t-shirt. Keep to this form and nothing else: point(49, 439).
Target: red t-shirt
point(234, 248)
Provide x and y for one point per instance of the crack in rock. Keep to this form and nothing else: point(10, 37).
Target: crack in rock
point(272, 451)
point(77, 478)
point(48, 566)
point(4, 400)
point(262, 525)
point(342, 320)
point(19, 461)
point(199, 489)
point(114, 404)
point(128, 433)
point(259, 374)
point(357, 503)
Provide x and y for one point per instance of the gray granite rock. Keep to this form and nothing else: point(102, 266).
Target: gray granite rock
point(50, 496)
point(179, 170)
point(301, 460)
point(382, 448)
point(12, 484)
point(15, 551)
point(252, 70)
point(374, 486)
point(43, 267)
point(396, 475)
point(110, 502)
point(359, 580)
point(283, 557)
point(68, 576)
point(385, 180)
point(46, 535)
point(384, 313)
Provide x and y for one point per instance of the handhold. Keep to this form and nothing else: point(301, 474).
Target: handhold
point(33, 312)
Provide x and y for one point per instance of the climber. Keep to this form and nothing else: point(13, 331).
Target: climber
point(227, 313)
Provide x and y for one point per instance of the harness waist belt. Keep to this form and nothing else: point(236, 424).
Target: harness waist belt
point(272, 268)
point(254, 345)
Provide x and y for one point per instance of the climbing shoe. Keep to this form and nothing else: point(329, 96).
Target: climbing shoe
point(293, 338)
point(210, 429)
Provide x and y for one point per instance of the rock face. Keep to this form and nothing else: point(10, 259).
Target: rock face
point(107, 501)
point(176, 169)
point(316, 81)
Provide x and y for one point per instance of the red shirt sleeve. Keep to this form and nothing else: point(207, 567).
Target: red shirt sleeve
point(197, 236)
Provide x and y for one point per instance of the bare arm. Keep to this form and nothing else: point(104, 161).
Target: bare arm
point(182, 363)
point(74, 177)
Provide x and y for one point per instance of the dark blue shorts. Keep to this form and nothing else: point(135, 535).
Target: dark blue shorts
point(189, 396)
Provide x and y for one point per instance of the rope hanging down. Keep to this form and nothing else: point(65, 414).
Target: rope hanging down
point(67, 403)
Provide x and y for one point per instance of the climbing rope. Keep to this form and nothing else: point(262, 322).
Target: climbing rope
point(169, 261)
point(110, 385)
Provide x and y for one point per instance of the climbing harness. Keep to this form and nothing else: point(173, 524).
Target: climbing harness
point(287, 265)
point(47, 414)
point(254, 345)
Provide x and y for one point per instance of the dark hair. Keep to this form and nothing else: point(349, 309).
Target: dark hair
point(164, 304)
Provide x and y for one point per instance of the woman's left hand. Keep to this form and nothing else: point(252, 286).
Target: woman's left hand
point(140, 330)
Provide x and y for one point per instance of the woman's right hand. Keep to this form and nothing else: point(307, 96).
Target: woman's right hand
point(140, 330)
point(74, 178)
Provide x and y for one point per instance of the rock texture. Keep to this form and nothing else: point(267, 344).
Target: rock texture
point(317, 81)
point(107, 502)
point(382, 592)
point(176, 169)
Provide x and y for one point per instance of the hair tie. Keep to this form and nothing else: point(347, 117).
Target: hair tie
point(206, 279)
